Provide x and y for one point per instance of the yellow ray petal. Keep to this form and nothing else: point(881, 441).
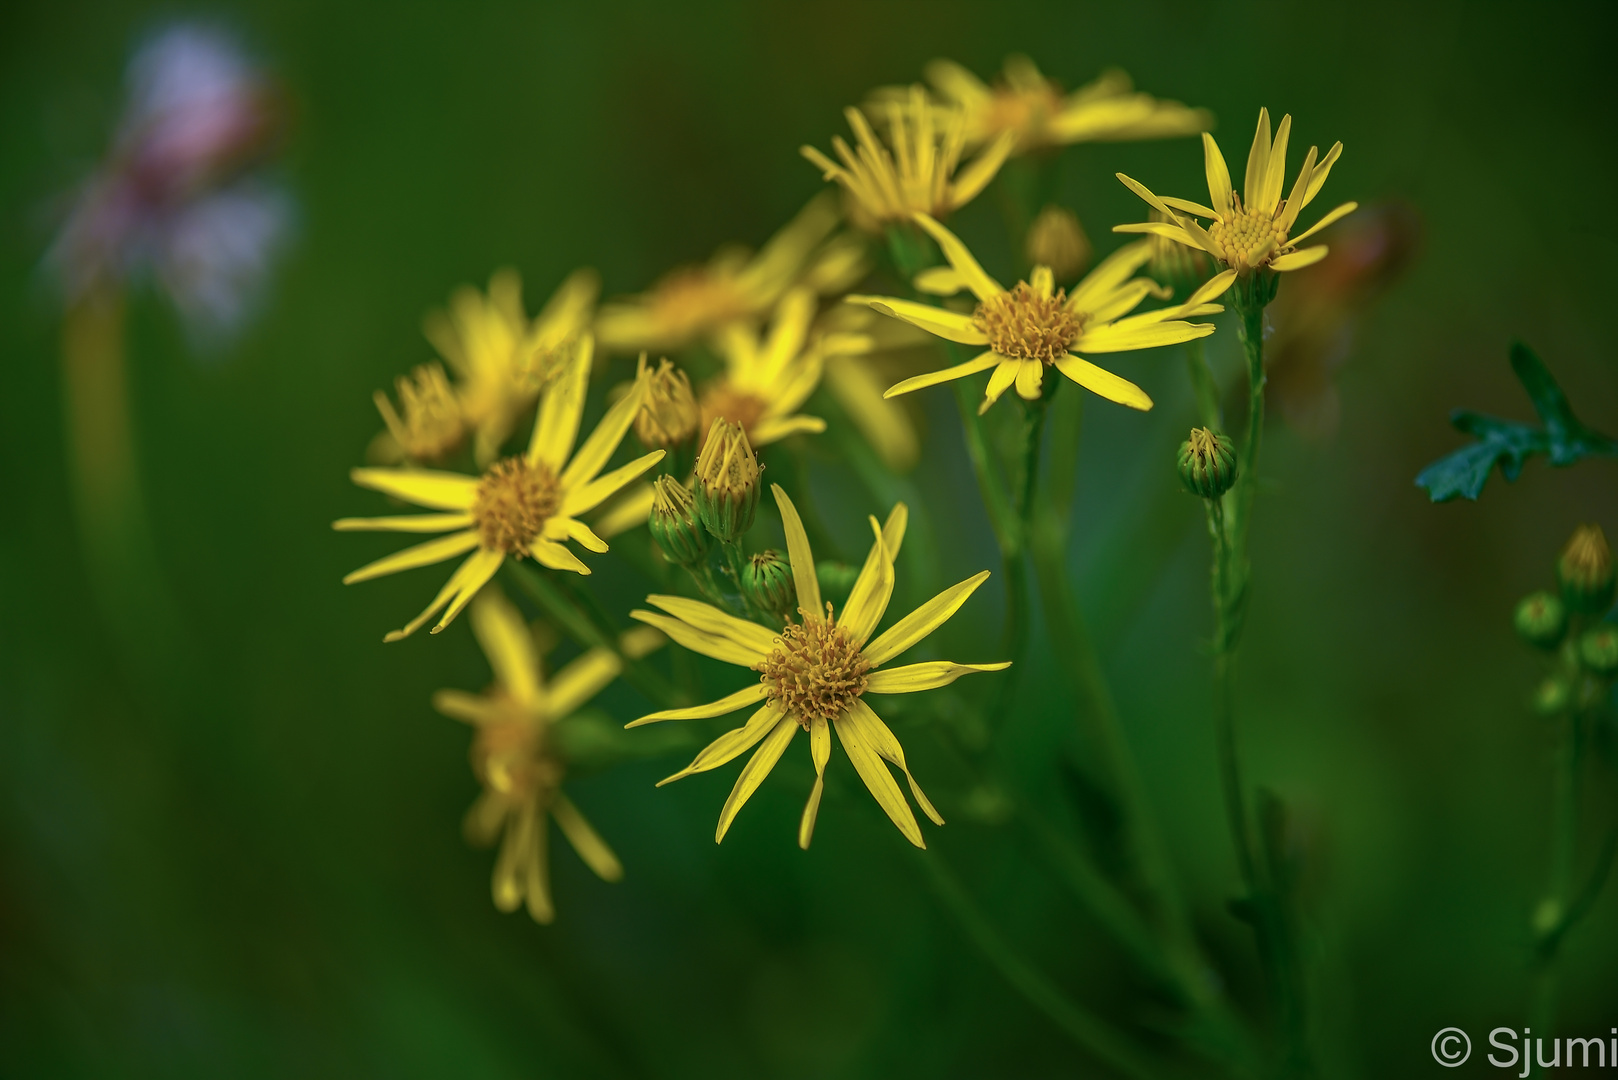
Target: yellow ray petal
point(511, 865)
point(753, 773)
point(1101, 381)
point(424, 487)
point(593, 455)
point(629, 511)
point(707, 644)
point(585, 840)
point(537, 886)
point(957, 83)
point(414, 523)
point(893, 530)
point(1297, 260)
point(588, 496)
point(554, 555)
point(469, 708)
point(981, 362)
point(472, 568)
point(561, 407)
point(876, 776)
point(1029, 375)
point(584, 536)
point(923, 621)
point(950, 325)
point(710, 620)
point(774, 430)
point(981, 284)
point(1289, 213)
point(1218, 173)
point(881, 739)
point(936, 280)
point(1191, 207)
point(1165, 229)
point(1258, 159)
point(926, 676)
point(509, 645)
point(1151, 200)
point(872, 590)
point(1332, 217)
point(1269, 194)
point(1042, 281)
point(1124, 337)
point(971, 181)
point(474, 573)
point(1317, 179)
point(1004, 375)
point(425, 554)
point(820, 752)
point(1111, 274)
point(582, 679)
point(799, 555)
point(732, 744)
point(567, 309)
point(742, 698)
point(1121, 301)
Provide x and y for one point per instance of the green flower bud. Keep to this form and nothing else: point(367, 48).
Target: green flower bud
point(1585, 571)
point(669, 419)
point(674, 523)
point(1541, 619)
point(1598, 648)
point(1552, 696)
point(1207, 463)
point(727, 481)
point(767, 582)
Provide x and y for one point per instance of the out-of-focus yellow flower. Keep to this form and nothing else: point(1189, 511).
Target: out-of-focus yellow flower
point(501, 358)
point(1035, 326)
point(515, 757)
point(915, 171)
point(1038, 115)
point(1252, 232)
point(768, 376)
point(815, 674)
point(526, 505)
point(864, 354)
point(670, 418)
point(692, 303)
point(427, 427)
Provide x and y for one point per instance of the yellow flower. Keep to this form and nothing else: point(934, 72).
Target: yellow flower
point(691, 303)
point(859, 346)
point(515, 757)
point(767, 377)
point(500, 357)
point(1038, 115)
point(1035, 326)
point(427, 427)
point(1254, 232)
point(815, 674)
point(525, 505)
point(918, 175)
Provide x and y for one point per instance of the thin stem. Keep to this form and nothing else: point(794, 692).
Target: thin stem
point(1552, 912)
point(1085, 1028)
point(702, 574)
point(1230, 772)
point(1203, 385)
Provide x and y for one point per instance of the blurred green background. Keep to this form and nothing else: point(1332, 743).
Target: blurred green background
point(255, 868)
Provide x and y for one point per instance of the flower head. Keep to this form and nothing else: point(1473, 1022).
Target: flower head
point(692, 303)
point(727, 481)
point(515, 756)
point(1207, 463)
point(1252, 229)
point(1038, 115)
point(768, 376)
point(670, 418)
point(1034, 326)
point(428, 425)
point(918, 174)
point(521, 506)
point(502, 358)
point(814, 675)
point(1585, 571)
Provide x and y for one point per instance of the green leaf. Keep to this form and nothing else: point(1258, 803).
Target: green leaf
point(1564, 438)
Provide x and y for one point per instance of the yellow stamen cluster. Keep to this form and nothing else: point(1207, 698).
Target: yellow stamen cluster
point(1027, 325)
point(513, 501)
point(816, 671)
point(428, 424)
point(1248, 237)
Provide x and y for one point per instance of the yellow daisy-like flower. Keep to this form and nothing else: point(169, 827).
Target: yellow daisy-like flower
point(918, 174)
point(1034, 109)
point(500, 357)
point(815, 674)
point(1248, 231)
point(1035, 326)
point(767, 377)
point(427, 427)
point(691, 303)
point(526, 505)
point(864, 353)
point(514, 754)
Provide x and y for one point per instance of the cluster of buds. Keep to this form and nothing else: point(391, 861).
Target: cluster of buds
point(1207, 463)
point(1564, 623)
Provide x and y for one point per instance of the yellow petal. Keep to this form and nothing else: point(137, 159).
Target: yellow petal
point(474, 573)
point(511, 865)
point(981, 284)
point(1042, 281)
point(1218, 173)
point(756, 639)
point(753, 773)
point(583, 678)
point(593, 455)
point(950, 325)
point(1111, 274)
point(585, 840)
point(732, 744)
point(537, 886)
point(921, 622)
point(425, 554)
point(416, 523)
point(872, 589)
point(566, 311)
point(1101, 381)
point(773, 430)
point(877, 779)
point(424, 487)
point(1318, 178)
point(639, 641)
point(588, 496)
point(469, 708)
point(584, 536)
point(1297, 260)
point(742, 698)
point(720, 648)
point(554, 555)
point(971, 181)
point(1151, 200)
point(509, 645)
point(893, 530)
point(820, 751)
point(1258, 159)
point(1029, 375)
point(629, 511)
point(1127, 337)
point(877, 734)
point(801, 558)
point(1269, 194)
point(926, 676)
point(1191, 207)
point(1289, 213)
point(1001, 381)
point(936, 280)
point(981, 362)
point(1334, 216)
point(561, 406)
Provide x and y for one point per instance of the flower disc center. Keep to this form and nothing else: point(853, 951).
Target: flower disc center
point(816, 671)
point(1248, 238)
point(1025, 325)
point(513, 501)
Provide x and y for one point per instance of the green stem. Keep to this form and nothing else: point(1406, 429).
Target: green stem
point(1203, 385)
point(1252, 335)
point(1085, 1028)
point(1552, 911)
point(702, 574)
point(1230, 772)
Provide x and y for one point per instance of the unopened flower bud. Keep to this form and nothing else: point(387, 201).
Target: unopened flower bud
point(1057, 240)
point(1541, 619)
point(674, 523)
point(1552, 696)
point(767, 581)
point(1599, 650)
point(727, 481)
point(669, 418)
point(1585, 571)
point(1207, 463)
